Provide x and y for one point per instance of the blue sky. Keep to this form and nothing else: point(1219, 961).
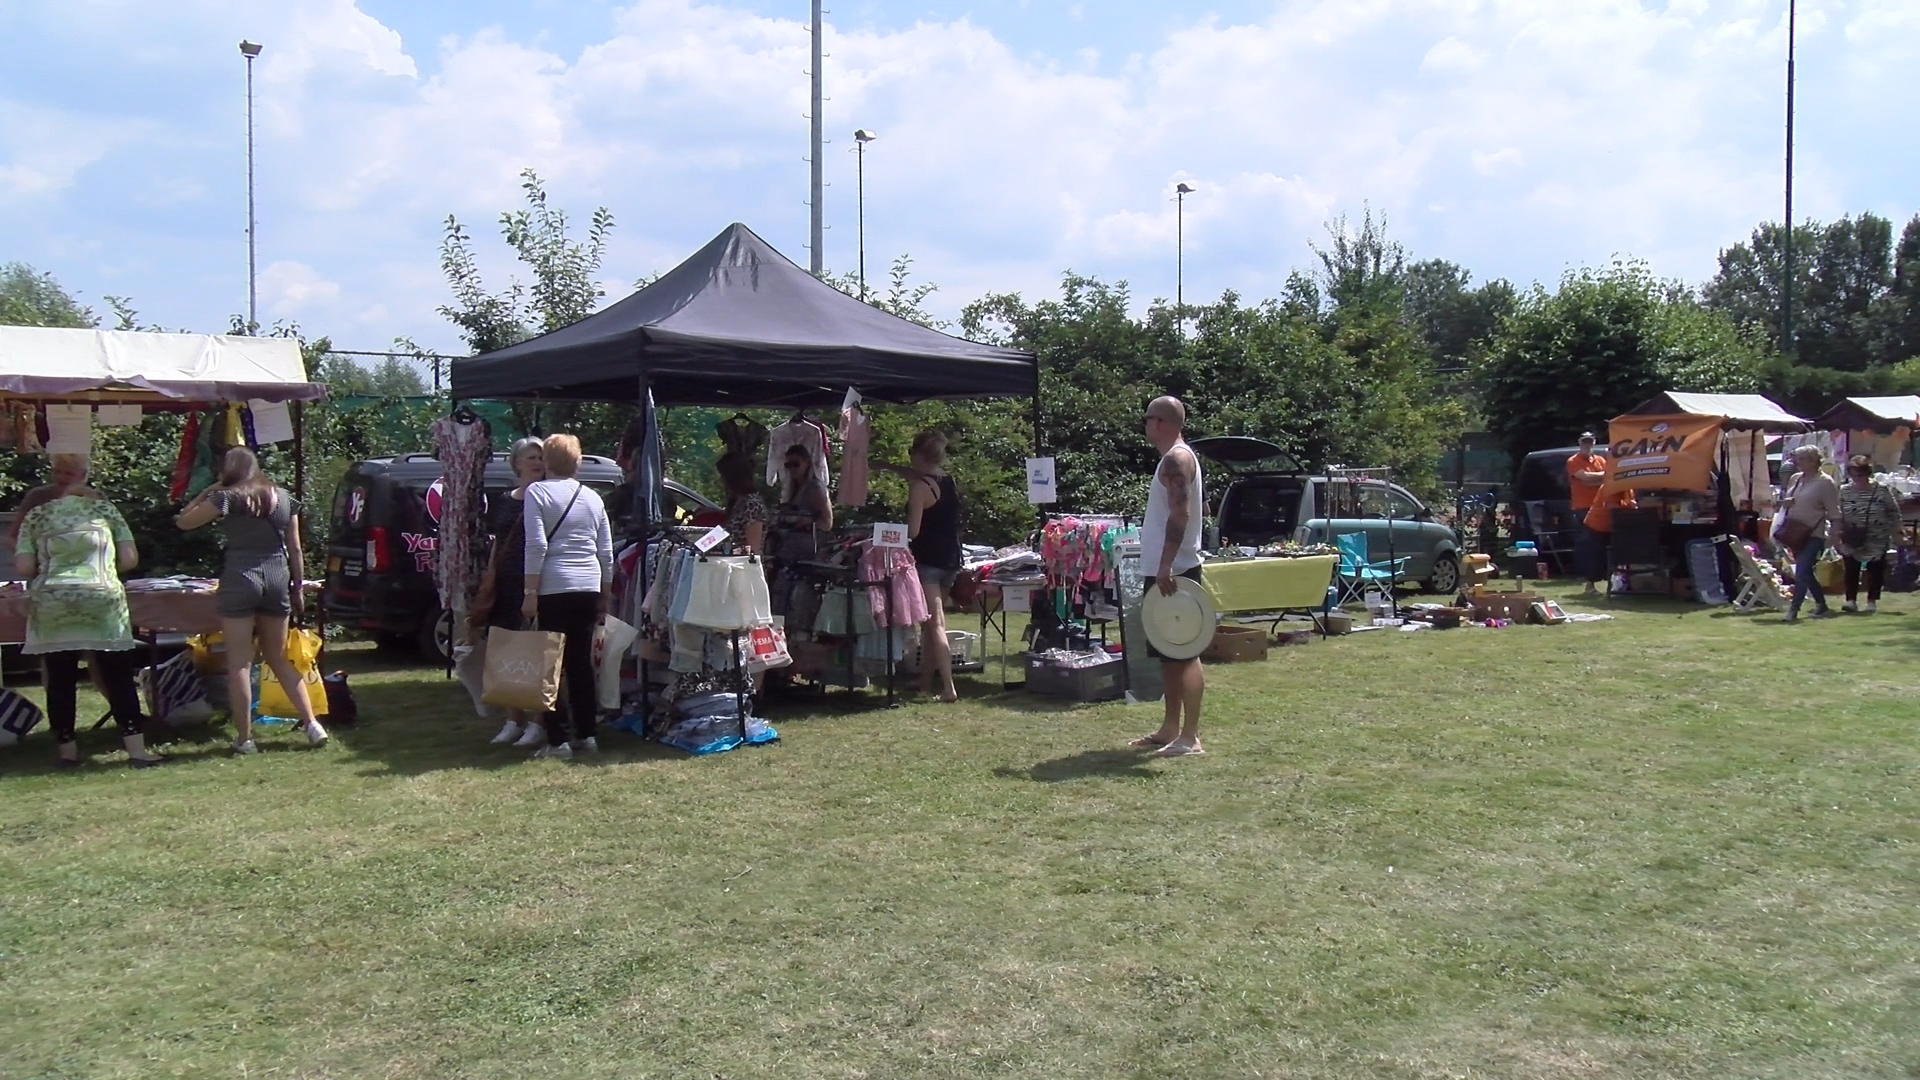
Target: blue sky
point(1017, 140)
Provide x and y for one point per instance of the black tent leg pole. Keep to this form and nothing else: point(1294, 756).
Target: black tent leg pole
point(646, 533)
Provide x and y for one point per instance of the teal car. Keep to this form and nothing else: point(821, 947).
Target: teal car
point(1269, 498)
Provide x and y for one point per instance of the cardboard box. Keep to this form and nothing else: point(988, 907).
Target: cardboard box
point(1338, 622)
point(1512, 606)
point(1104, 681)
point(1233, 644)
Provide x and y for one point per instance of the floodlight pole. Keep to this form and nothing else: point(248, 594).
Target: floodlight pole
point(250, 50)
point(816, 260)
point(1786, 287)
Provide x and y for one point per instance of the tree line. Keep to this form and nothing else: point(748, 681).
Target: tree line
point(1369, 359)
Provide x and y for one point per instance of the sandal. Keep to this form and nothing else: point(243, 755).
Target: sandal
point(1148, 742)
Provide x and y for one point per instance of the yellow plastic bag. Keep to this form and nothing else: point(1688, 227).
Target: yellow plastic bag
point(303, 649)
point(209, 653)
point(1830, 573)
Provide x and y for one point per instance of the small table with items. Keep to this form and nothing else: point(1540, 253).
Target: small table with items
point(1282, 585)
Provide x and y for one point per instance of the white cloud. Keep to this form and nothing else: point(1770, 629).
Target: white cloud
point(292, 289)
point(1452, 54)
point(42, 150)
point(1514, 136)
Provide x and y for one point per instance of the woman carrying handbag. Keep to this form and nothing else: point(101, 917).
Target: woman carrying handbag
point(569, 587)
point(1869, 520)
point(1811, 500)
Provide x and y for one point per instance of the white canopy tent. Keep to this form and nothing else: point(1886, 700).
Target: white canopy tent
point(131, 367)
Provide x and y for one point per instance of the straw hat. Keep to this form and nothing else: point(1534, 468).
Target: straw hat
point(1179, 627)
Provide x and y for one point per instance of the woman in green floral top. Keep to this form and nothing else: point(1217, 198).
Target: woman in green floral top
point(71, 550)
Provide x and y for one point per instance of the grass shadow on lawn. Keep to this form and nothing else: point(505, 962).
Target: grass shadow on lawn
point(1087, 764)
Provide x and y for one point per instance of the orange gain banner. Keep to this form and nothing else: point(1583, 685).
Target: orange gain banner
point(1670, 453)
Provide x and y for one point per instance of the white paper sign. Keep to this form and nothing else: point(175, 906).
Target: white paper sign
point(1040, 480)
point(116, 415)
point(272, 421)
point(888, 535)
point(70, 429)
point(712, 538)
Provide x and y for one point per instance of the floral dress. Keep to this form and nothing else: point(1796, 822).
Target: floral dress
point(75, 601)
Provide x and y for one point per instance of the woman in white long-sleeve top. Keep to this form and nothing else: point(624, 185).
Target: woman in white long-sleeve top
point(569, 568)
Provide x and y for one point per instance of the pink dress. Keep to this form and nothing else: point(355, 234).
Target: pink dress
point(855, 430)
point(897, 569)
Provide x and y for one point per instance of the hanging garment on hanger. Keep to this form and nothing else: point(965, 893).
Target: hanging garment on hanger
point(801, 433)
point(742, 434)
point(855, 431)
point(896, 573)
point(464, 450)
point(183, 459)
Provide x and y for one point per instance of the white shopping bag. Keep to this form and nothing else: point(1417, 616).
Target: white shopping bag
point(612, 640)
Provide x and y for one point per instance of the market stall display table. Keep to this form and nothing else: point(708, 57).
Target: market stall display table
point(157, 605)
point(1279, 585)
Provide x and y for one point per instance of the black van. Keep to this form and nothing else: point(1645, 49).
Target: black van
point(385, 540)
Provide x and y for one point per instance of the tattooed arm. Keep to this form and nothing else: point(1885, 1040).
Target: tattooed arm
point(1177, 472)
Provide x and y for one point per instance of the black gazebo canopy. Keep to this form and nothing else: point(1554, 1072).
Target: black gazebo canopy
point(737, 324)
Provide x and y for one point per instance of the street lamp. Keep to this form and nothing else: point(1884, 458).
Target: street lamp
point(861, 138)
point(249, 50)
point(1180, 194)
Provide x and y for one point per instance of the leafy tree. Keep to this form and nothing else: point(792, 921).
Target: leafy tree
point(1456, 319)
point(1604, 342)
point(30, 298)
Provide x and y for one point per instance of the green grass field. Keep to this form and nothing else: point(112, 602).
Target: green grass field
point(1679, 844)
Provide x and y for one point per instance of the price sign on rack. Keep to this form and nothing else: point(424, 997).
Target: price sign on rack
point(712, 538)
point(889, 535)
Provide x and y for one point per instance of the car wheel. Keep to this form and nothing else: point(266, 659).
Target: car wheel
point(1446, 576)
point(436, 637)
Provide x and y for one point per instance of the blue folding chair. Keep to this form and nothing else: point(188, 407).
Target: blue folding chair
point(1357, 574)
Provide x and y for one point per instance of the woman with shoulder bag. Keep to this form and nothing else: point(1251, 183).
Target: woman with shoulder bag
point(1869, 521)
point(502, 585)
point(569, 586)
point(1811, 501)
point(261, 585)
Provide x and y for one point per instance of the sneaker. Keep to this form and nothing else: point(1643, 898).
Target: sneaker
point(316, 735)
point(1849, 606)
point(1793, 617)
point(508, 734)
point(148, 762)
point(1872, 606)
point(1825, 613)
point(563, 752)
point(588, 745)
point(244, 748)
point(66, 763)
point(535, 735)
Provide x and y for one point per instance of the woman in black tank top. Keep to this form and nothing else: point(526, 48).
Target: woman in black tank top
point(933, 526)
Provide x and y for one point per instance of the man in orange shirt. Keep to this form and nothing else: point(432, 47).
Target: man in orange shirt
point(1586, 471)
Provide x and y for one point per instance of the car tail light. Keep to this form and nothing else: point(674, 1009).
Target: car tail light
point(379, 551)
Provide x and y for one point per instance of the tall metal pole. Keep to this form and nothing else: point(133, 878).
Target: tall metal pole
point(249, 50)
point(860, 158)
point(1180, 251)
point(817, 260)
point(1786, 289)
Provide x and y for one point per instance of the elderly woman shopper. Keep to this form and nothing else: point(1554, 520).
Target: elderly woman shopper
point(1869, 521)
point(569, 586)
point(1810, 502)
point(261, 585)
point(503, 585)
point(71, 550)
